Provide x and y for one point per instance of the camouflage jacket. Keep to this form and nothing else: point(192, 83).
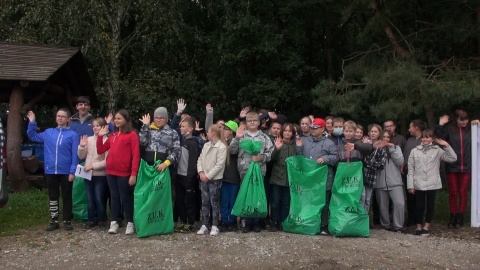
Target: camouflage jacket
point(245, 158)
point(164, 140)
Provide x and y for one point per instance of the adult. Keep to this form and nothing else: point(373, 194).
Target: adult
point(458, 134)
point(397, 138)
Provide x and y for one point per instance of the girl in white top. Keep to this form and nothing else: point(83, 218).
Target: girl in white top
point(210, 167)
point(96, 187)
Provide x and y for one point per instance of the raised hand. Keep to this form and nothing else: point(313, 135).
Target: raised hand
point(240, 132)
point(197, 126)
point(278, 143)
point(209, 107)
point(84, 140)
point(441, 142)
point(103, 131)
point(244, 111)
point(181, 105)
point(475, 122)
point(443, 120)
point(31, 116)
point(299, 142)
point(366, 140)
point(145, 119)
point(272, 115)
point(109, 118)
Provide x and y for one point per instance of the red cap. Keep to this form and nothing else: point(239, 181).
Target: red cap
point(318, 122)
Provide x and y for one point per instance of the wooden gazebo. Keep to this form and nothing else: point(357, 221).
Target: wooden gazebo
point(33, 74)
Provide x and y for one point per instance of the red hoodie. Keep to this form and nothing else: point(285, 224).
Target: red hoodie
point(123, 156)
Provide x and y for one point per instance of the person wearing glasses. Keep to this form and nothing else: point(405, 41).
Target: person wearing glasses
point(397, 138)
point(61, 161)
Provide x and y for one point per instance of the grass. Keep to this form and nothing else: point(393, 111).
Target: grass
point(442, 208)
point(24, 210)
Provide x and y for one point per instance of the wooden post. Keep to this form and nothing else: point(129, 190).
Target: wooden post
point(16, 175)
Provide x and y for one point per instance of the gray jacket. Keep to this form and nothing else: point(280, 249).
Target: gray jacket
point(245, 158)
point(390, 176)
point(424, 166)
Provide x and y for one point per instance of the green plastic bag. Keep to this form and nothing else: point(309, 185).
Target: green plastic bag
point(79, 200)
point(347, 216)
point(251, 200)
point(307, 181)
point(153, 212)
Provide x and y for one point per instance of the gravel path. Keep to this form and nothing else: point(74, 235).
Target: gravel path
point(93, 249)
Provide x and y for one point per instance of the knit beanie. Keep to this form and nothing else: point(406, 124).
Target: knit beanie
point(161, 112)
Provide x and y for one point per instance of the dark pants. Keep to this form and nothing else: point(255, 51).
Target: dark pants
point(279, 203)
point(411, 204)
point(458, 184)
point(55, 182)
point(121, 194)
point(326, 210)
point(423, 197)
point(210, 201)
point(97, 200)
point(185, 202)
point(229, 193)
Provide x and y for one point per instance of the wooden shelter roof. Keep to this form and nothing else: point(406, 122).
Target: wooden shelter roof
point(57, 74)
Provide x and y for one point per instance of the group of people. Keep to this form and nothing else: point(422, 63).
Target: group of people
point(211, 162)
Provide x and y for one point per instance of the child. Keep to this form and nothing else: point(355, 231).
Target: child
point(97, 186)
point(210, 167)
point(280, 192)
point(359, 132)
point(252, 132)
point(352, 155)
point(318, 147)
point(185, 205)
point(230, 183)
point(122, 164)
point(60, 164)
point(423, 178)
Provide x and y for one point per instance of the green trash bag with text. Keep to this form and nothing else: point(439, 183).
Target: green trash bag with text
point(79, 199)
point(347, 216)
point(153, 213)
point(307, 182)
point(251, 201)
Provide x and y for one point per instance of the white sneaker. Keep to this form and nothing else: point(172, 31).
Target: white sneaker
point(214, 230)
point(203, 230)
point(113, 227)
point(130, 228)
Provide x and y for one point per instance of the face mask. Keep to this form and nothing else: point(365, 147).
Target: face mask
point(338, 131)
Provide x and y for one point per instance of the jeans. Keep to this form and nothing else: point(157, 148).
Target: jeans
point(121, 194)
point(97, 198)
point(229, 193)
point(279, 203)
point(54, 182)
point(210, 201)
point(366, 197)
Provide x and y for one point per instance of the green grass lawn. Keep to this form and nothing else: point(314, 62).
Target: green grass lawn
point(24, 210)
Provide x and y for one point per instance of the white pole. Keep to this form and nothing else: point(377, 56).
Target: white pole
point(475, 204)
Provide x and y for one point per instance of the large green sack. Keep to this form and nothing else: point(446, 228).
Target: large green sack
point(79, 200)
point(307, 181)
point(347, 216)
point(251, 201)
point(153, 212)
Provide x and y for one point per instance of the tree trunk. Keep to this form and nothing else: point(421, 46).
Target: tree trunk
point(16, 175)
point(430, 117)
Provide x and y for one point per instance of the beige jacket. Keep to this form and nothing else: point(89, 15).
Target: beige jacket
point(89, 153)
point(424, 166)
point(212, 160)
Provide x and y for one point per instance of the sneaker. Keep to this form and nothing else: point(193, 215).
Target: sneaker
point(257, 228)
point(186, 228)
point(102, 226)
point(67, 225)
point(214, 230)
point(113, 227)
point(418, 232)
point(424, 232)
point(231, 227)
point(178, 227)
point(273, 227)
point(203, 230)
point(89, 225)
point(323, 230)
point(52, 226)
point(130, 228)
point(246, 229)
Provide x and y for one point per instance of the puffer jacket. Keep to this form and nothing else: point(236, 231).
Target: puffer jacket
point(391, 176)
point(279, 175)
point(424, 166)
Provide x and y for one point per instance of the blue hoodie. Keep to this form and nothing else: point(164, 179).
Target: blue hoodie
point(60, 148)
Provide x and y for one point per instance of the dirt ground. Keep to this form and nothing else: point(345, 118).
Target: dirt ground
point(95, 249)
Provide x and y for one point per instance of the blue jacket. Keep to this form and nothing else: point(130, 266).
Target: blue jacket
point(61, 146)
point(82, 128)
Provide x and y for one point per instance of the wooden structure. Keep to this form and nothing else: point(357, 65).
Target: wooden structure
point(33, 74)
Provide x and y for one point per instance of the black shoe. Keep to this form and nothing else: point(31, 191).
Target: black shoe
point(453, 221)
point(424, 232)
point(102, 226)
point(257, 228)
point(392, 229)
point(273, 227)
point(459, 222)
point(279, 227)
point(90, 224)
point(231, 227)
point(224, 227)
point(418, 232)
point(52, 226)
point(246, 229)
point(67, 225)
